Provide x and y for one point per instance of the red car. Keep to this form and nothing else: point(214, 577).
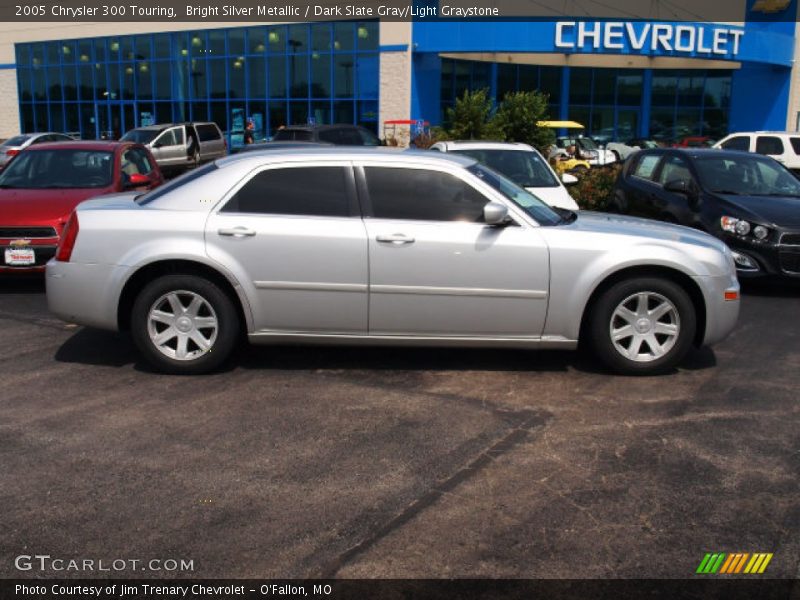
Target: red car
point(696, 141)
point(41, 186)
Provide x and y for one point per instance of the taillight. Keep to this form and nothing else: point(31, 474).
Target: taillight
point(12, 152)
point(68, 237)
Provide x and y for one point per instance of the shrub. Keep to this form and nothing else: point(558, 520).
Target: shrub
point(594, 189)
point(470, 119)
point(517, 117)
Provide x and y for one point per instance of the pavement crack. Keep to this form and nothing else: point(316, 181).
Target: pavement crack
point(532, 420)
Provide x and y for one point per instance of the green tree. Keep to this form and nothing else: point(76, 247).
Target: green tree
point(517, 117)
point(470, 118)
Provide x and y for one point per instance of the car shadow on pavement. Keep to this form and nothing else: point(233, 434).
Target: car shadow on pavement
point(99, 348)
point(771, 288)
point(22, 284)
point(102, 348)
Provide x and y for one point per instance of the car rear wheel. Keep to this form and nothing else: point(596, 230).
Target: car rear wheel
point(184, 324)
point(643, 326)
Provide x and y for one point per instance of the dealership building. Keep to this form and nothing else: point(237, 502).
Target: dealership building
point(622, 79)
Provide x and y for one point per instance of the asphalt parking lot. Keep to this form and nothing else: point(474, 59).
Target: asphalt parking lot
point(336, 462)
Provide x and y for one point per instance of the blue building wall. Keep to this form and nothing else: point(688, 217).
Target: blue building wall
point(764, 48)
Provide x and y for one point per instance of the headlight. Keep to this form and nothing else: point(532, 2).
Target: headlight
point(734, 225)
point(729, 224)
point(742, 227)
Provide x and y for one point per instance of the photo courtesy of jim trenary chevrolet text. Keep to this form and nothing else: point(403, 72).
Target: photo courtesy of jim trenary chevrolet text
point(346, 299)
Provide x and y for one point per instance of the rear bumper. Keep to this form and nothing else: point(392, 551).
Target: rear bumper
point(86, 294)
point(721, 314)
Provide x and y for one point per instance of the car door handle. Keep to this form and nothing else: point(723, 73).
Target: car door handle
point(395, 238)
point(236, 232)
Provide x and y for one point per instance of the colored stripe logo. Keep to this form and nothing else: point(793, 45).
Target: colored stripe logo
point(734, 563)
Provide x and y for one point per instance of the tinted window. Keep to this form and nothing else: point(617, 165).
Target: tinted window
point(349, 136)
point(368, 138)
point(737, 143)
point(540, 211)
point(646, 166)
point(523, 167)
point(746, 175)
point(332, 136)
point(291, 135)
point(208, 133)
point(317, 191)
point(140, 136)
point(16, 141)
point(674, 169)
point(795, 144)
point(424, 195)
point(58, 169)
point(769, 145)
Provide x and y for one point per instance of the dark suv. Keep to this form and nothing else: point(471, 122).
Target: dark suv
point(338, 135)
point(749, 201)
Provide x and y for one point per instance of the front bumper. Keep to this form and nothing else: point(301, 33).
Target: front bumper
point(86, 294)
point(721, 313)
point(769, 258)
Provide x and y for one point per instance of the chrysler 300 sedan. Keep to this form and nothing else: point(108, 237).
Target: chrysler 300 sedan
point(379, 247)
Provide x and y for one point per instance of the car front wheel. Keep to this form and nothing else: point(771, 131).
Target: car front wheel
point(184, 324)
point(643, 326)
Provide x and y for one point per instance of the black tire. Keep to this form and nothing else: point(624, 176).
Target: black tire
point(218, 306)
point(602, 313)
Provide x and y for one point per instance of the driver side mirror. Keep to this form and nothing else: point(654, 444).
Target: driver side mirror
point(137, 180)
point(158, 145)
point(677, 186)
point(569, 179)
point(496, 214)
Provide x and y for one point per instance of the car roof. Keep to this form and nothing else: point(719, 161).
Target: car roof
point(98, 145)
point(346, 152)
point(319, 127)
point(704, 152)
point(484, 145)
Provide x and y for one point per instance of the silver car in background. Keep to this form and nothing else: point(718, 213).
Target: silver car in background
point(354, 246)
point(180, 146)
point(13, 146)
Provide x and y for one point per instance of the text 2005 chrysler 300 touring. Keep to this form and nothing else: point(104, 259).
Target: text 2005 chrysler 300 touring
point(353, 246)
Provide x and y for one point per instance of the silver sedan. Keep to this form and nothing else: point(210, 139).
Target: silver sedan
point(352, 246)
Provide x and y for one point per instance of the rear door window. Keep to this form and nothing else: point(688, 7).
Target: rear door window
point(795, 144)
point(208, 133)
point(310, 191)
point(769, 145)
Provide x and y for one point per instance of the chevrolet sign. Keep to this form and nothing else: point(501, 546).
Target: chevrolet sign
point(770, 6)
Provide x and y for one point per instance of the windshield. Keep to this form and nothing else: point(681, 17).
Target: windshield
point(140, 136)
point(523, 167)
point(41, 169)
point(543, 214)
point(187, 177)
point(16, 141)
point(746, 175)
